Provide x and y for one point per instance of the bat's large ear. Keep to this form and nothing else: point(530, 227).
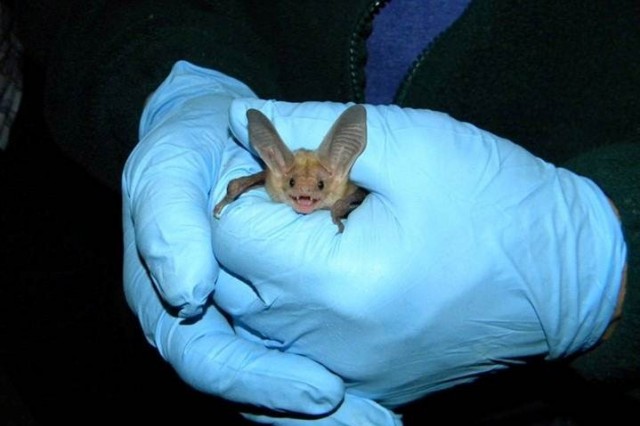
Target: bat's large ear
point(267, 142)
point(345, 141)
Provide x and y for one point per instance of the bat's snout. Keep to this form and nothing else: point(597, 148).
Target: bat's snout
point(304, 204)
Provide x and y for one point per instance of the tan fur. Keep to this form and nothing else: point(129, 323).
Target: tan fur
point(308, 171)
point(307, 180)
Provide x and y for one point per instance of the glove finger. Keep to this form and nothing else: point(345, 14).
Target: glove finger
point(138, 288)
point(169, 208)
point(353, 411)
point(167, 181)
point(168, 178)
point(211, 358)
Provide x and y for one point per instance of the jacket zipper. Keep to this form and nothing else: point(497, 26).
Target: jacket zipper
point(358, 49)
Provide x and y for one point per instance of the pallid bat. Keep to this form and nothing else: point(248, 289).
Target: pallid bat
point(304, 179)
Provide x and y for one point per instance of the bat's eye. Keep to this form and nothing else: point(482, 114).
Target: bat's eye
point(320, 184)
point(292, 182)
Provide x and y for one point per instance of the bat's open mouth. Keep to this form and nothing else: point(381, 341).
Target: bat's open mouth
point(303, 203)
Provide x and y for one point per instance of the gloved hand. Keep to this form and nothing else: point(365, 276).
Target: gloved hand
point(169, 265)
point(469, 254)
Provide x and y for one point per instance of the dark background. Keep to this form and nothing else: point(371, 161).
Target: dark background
point(69, 347)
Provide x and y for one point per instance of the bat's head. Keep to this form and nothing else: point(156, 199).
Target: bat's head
point(310, 180)
point(307, 185)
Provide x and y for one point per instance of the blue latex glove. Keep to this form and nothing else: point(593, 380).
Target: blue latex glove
point(167, 185)
point(468, 255)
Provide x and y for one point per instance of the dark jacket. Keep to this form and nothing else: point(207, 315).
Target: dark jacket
point(557, 77)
